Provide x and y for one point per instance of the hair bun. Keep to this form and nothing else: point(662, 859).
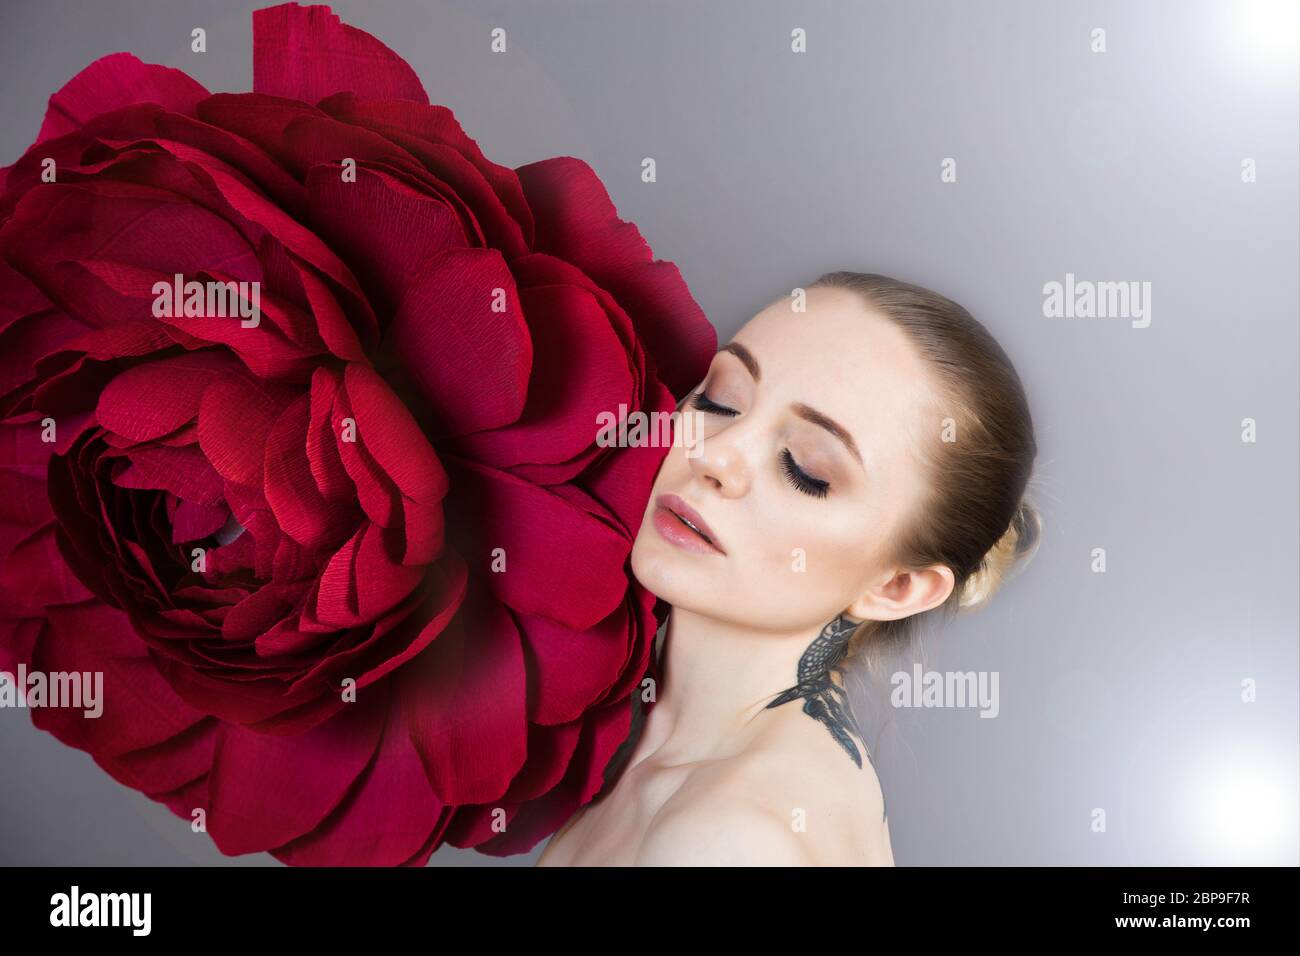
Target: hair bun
point(1016, 546)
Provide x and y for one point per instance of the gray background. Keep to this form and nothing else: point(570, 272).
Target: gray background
point(1118, 690)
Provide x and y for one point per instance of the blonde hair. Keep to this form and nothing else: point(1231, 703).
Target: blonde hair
point(1016, 546)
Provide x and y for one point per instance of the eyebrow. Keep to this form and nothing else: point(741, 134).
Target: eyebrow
point(806, 412)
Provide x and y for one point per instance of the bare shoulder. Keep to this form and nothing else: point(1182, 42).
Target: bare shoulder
point(722, 827)
point(820, 791)
point(791, 800)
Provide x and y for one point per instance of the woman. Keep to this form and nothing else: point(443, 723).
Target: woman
point(861, 460)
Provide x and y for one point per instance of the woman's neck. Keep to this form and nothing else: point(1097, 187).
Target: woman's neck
point(718, 679)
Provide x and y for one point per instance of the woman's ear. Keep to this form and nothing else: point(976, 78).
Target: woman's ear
point(905, 592)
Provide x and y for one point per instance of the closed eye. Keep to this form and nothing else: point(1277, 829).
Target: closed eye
point(702, 402)
point(796, 476)
point(801, 479)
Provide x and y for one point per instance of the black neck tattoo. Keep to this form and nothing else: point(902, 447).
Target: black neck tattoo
point(823, 699)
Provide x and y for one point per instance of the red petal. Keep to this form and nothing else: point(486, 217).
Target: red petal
point(151, 400)
point(622, 481)
point(269, 789)
point(182, 471)
point(322, 441)
point(561, 561)
point(235, 420)
point(308, 518)
point(577, 222)
point(383, 226)
point(387, 817)
point(434, 136)
point(580, 371)
point(140, 710)
point(571, 670)
point(463, 700)
point(36, 574)
point(112, 82)
point(602, 733)
point(386, 429)
point(307, 53)
point(193, 521)
point(469, 363)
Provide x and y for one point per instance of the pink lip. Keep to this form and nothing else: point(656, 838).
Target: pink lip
point(669, 512)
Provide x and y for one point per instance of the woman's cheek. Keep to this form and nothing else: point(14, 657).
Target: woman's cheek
point(787, 562)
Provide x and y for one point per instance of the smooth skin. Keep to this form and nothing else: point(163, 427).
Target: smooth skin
point(716, 777)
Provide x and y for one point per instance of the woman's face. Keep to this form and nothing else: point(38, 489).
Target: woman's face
point(801, 464)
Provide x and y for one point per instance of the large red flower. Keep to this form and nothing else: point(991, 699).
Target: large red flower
point(356, 575)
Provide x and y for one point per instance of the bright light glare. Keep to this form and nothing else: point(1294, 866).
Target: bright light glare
point(1267, 30)
point(1246, 810)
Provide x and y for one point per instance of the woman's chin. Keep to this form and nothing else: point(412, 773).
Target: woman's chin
point(659, 569)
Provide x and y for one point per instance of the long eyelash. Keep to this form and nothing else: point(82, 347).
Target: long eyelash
point(805, 483)
point(702, 402)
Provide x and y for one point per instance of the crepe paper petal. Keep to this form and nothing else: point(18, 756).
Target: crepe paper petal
point(577, 222)
point(258, 797)
point(461, 336)
point(307, 53)
point(115, 81)
point(464, 705)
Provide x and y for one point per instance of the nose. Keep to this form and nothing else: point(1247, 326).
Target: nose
point(719, 460)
